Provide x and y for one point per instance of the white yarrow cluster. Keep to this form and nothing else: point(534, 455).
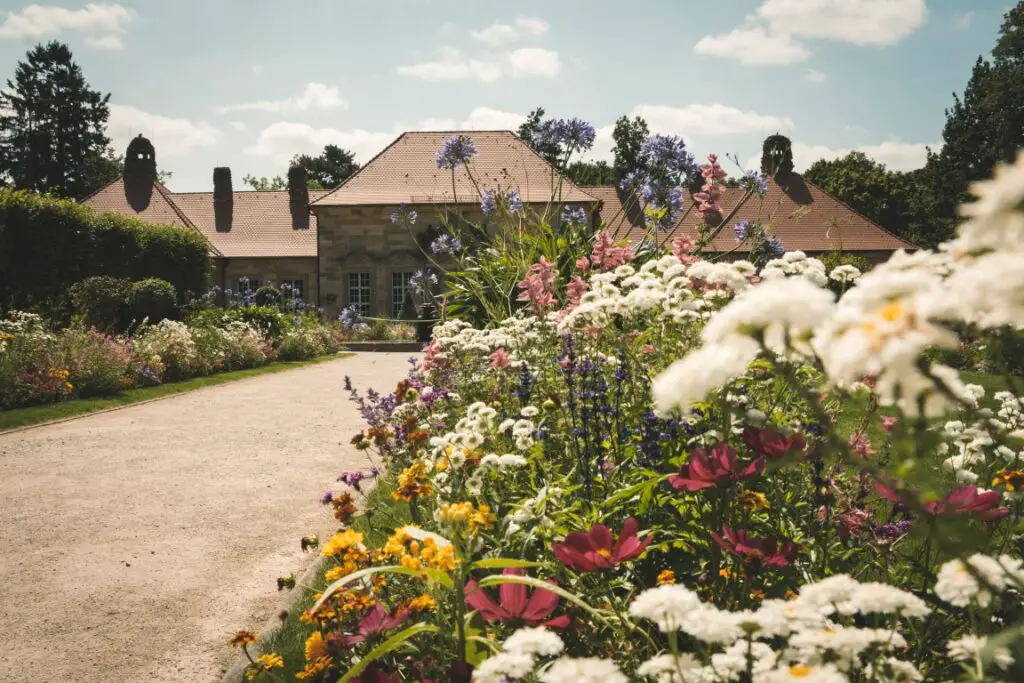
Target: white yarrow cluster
point(956, 582)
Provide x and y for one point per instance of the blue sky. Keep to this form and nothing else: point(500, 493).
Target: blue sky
point(250, 83)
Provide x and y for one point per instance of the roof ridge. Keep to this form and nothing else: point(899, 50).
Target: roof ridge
point(856, 212)
point(361, 168)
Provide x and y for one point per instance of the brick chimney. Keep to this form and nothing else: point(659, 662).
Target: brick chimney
point(223, 199)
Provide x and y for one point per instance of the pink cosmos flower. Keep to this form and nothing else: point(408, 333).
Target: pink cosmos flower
point(516, 603)
point(963, 500)
point(595, 550)
point(773, 444)
point(375, 622)
point(719, 468)
point(757, 552)
point(499, 359)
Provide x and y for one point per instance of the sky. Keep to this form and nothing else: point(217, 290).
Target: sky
point(250, 83)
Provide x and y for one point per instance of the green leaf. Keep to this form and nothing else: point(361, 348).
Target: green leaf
point(432, 574)
point(389, 645)
point(502, 563)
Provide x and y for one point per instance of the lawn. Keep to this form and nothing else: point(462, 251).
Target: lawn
point(23, 417)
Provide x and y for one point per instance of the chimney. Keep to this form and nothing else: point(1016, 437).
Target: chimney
point(223, 199)
point(298, 197)
point(139, 173)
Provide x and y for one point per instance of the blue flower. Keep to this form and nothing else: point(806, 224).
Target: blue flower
point(662, 199)
point(574, 215)
point(456, 150)
point(488, 202)
point(774, 245)
point(491, 199)
point(741, 230)
point(752, 180)
point(404, 215)
point(577, 135)
point(515, 204)
point(422, 280)
point(666, 155)
point(349, 317)
point(446, 244)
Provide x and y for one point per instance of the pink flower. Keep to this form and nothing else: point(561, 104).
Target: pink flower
point(608, 256)
point(720, 468)
point(963, 500)
point(539, 285)
point(433, 358)
point(681, 248)
point(576, 289)
point(375, 622)
point(646, 350)
point(583, 263)
point(516, 603)
point(707, 198)
point(770, 443)
point(595, 549)
point(757, 552)
point(499, 359)
point(861, 444)
point(889, 423)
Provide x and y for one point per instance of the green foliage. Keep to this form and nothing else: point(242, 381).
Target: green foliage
point(97, 364)
point(328, 170)
point(52, 125)
point(591, 173)
point(264, 184)
point(152, 298)
point(100, 301)
point(629, 136)
point(528, 133)
point(48, 244)
point(268, 295)
point(270, 321)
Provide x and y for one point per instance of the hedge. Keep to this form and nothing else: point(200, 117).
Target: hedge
point(48, 244)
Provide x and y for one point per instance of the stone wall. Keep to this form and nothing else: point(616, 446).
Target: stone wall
point(271, 271)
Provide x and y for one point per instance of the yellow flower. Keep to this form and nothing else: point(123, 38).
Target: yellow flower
point(725, 573)
point(315, 669)
point(753, 501)
point(316, 646)
point(342, 541)
point(409, 485)
point(422, 603)
point(1011, 479)
point(242, 638)
point(263, 664)
point(478, 518)
point(665, 577)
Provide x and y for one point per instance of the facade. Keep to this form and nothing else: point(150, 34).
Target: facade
point(341, 247)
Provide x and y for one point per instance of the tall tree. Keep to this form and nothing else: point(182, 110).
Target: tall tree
point(591, 173)
point(264, 184)
point(328, 170)
point(52, 124)
point(530, 132)
point(629, 136)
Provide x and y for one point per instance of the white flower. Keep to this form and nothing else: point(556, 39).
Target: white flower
point(708, 368)
point(803, 673)
point(731, 663)
point(844, 273)
point(971, 646)
point(667, 606)
point(587, 670)
point(669, 668)
point(502, 666)
point(529, 411)
point(534, 641)
point(995, 220)
point(956, 585)
point(892, 670)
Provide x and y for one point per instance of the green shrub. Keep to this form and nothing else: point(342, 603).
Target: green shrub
point(152, 298)
point(48, 244)
point(301, 343)
point(32, 371)
point(171, 344)
point(97, 364)
point(267, 320)
point(101, 301)
point(268, 295)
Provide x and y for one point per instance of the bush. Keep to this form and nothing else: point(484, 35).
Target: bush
point(244, 347)
point(31, 368)
point(97, 364)
point(48, 244)
point(152, 298)
point(268, 296)
point(267, 320)
point(100, 301)
point(169, 343)
point(301, 343)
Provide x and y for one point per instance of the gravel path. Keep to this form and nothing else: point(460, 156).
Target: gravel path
point(134, 542)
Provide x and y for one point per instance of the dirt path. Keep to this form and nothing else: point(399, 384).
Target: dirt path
point(134, 542)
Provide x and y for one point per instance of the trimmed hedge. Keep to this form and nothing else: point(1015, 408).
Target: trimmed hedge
point(48, 244)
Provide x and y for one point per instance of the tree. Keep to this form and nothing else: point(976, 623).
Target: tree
point(52, 124)
point(264, 184)
point(328, 170)
point(529, 132)
point(591, 173)
point(629, 136)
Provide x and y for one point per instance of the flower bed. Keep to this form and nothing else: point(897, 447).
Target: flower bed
point(673, 469)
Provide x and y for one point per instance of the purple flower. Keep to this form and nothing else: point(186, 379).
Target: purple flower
point(577, 135)
point(446, 244)
point(515, 204)
point(574, 215)
point(456, 150)
point(488, 202)
point(422, 280)
point(774, 245)
point(752, 180)
point(404, 215)
point(632, 180)
point(741, 230)
point(326, 498)
point(666, 156)
point(664, 201)
point(349, 317)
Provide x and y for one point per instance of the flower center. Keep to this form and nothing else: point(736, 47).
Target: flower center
point(800, 671)
point(605, 553)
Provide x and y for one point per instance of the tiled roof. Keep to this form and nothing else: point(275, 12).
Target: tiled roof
point(799, 213)
point(261, 225)
point(261, 222)
point(406, 172)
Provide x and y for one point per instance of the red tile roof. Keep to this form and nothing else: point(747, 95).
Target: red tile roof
point(406, 172)
point(802, 215)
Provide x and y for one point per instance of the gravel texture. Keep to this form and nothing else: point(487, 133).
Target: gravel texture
point(135, 542)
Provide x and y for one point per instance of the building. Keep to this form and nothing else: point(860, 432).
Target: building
point(341, 247)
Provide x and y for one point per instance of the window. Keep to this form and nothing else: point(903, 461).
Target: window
point(296, 289)
point(359, 292)
point(247, 285)
point(400, 287)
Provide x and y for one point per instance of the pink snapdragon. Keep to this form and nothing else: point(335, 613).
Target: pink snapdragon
point(500, 359)
point(576, 289)
point(682, 247)
point(539, 285)
point(707, 198)
point(606, 255)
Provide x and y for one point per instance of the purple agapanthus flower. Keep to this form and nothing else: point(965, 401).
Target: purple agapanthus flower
point(577, 135)
point(446, 244)
point(515, 204)
point(662, 198)
point(422, 280)
point(741, 230)
point(667, 155)
point(753, 180)
point(349, 317)
point(456, 150)
point(632, 180)
point(574, 215)
point(404, 215)
point(488, 202)
point(774, 245)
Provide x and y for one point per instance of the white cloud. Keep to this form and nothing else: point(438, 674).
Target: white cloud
point(861, 22)
point(815, 76)
point(708, 119)
point(963, 21)
point(283, 140)
point(754, 46)
point(316, 97)
point(896, 155)
point(172, 137)
point(239, 126)
point(434, 123)
point(530, 62)
point(257, 68)
point(485, 118)
point(100, 23)
point(455, 65)
point(500, 34)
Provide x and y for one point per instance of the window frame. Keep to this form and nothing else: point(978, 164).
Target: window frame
point(363, 287)
point(405, 286)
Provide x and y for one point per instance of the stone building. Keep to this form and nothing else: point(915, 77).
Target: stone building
point(341, 247)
